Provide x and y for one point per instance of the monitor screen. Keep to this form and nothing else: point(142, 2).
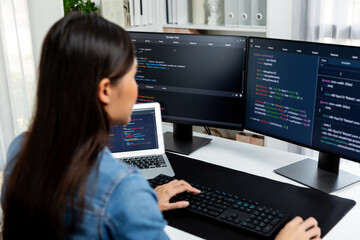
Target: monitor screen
point(305, 93)
point(197, 79)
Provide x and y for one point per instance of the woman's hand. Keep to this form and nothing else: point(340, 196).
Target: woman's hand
point(167, 191)
point(298, 229)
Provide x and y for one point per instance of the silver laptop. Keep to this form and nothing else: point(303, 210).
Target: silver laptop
point(140, 142)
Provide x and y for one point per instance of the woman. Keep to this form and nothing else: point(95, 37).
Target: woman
point(61, 180)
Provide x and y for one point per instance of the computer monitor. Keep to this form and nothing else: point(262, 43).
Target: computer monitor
point(197, 79)
point(308, 94)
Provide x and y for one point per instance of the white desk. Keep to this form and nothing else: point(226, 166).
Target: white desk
point(262, 161)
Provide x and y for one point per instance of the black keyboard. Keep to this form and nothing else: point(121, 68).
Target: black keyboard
point(144, 162)
point(238, 212)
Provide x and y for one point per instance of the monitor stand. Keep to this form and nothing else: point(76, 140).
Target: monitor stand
point(181, 140)
point(323, 175)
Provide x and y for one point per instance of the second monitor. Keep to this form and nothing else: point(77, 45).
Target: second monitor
point(308, 94)
point(197, 79)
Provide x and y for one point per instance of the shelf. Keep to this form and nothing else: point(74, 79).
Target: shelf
point(148, 28)
point(260, 29)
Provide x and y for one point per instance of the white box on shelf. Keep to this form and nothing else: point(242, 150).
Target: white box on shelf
point(244, 12)
point(231, 13)
point(258, 12)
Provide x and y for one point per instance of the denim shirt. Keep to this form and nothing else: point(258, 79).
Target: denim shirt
point(120, 202)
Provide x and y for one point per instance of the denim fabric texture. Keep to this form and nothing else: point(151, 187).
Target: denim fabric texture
point(120, 204)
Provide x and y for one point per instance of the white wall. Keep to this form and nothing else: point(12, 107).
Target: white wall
point(279, 18)
point(43, 14)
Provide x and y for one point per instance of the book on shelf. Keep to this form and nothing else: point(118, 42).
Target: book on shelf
point(183, 12)
point(175, 11)
point(131, 12)
point(144, 12)
point(169, 11)
point(162, 14)
point(149, 10)
point(137, 13)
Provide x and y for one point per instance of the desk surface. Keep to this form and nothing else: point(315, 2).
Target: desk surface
point(262, 161)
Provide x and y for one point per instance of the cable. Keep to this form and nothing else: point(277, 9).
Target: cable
point(208, 131)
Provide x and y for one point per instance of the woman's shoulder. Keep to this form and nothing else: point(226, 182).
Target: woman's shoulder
point(113, 170)
point(124, 203)
point(109, 176)
point(15, 146)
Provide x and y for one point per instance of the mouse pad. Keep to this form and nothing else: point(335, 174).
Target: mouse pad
point(304, 202)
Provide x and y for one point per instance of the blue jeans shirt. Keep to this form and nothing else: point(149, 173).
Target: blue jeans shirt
point(120, 202)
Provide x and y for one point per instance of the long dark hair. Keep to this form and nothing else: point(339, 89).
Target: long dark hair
point(70, 126)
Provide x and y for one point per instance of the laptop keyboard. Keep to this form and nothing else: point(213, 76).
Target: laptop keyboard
point(232, 210)
point(146, 162)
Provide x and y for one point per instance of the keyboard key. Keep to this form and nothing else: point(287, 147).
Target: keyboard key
point(267, 228)
point(247, 225)
point(274, 213)
point(214, 209)
point(215, 214)
point(229, 219)
point(275, 221)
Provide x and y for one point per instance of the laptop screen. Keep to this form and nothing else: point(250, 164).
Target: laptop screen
point(139, 134)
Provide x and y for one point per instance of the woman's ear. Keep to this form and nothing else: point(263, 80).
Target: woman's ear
point(104, 90)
